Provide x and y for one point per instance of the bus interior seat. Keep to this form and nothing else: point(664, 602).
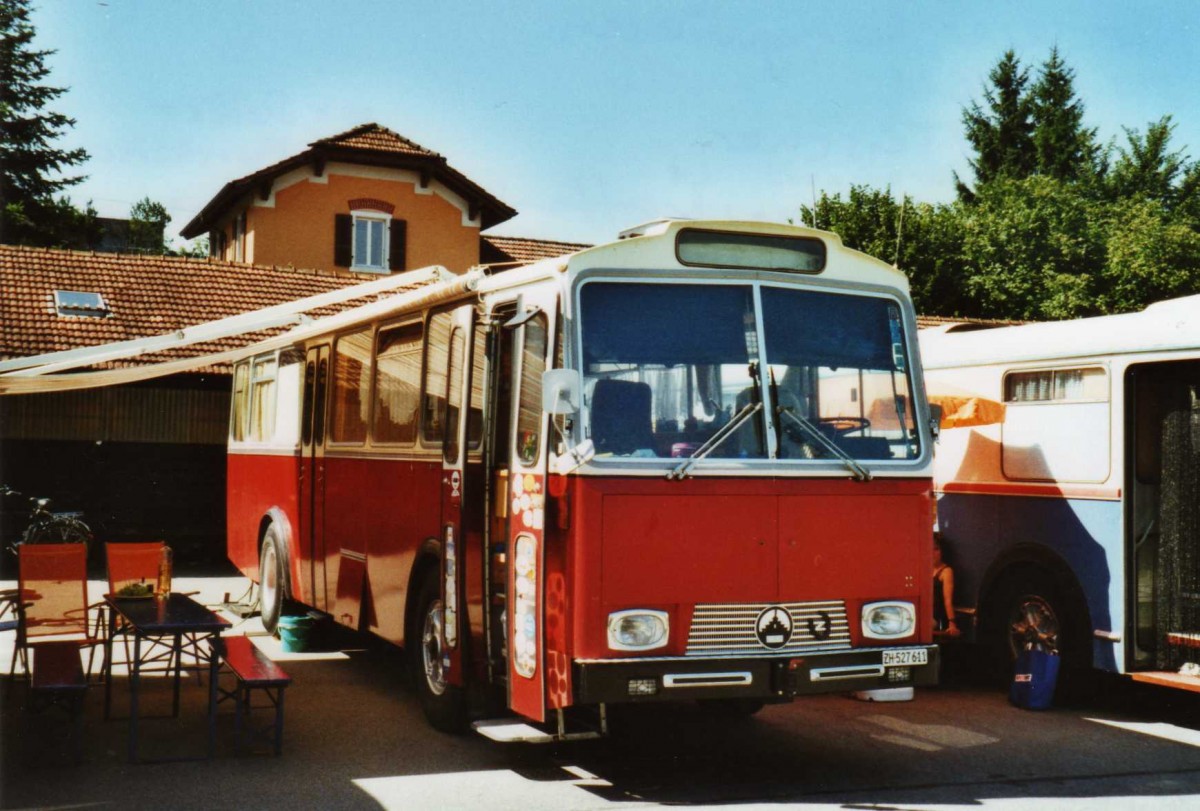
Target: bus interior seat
point(866, 447)
point(621, 421)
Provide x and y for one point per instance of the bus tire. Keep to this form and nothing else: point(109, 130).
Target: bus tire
point(1032, 602)
point(444, 705)
point(271, 580)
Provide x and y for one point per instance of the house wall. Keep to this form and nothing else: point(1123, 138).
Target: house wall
point(295, 226)
point(142, 462)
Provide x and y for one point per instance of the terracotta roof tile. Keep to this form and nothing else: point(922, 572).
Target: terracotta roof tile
point(522, 249)
point(146, 295)
point(375, 138)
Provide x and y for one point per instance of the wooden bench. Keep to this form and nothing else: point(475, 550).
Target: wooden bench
point(254, 671)
point(58, 680)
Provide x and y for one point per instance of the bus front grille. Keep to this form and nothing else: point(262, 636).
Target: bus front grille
point(728, 629)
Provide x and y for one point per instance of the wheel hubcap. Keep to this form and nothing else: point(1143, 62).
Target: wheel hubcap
point(431, 649)
point(269, 576)
point(1033, 622)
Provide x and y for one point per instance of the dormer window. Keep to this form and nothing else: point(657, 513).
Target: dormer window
point(370, 241)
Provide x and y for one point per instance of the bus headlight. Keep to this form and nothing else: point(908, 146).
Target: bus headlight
point(890, 620)
point(637, 629)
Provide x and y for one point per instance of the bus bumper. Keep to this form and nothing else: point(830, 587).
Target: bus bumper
point(685, 678)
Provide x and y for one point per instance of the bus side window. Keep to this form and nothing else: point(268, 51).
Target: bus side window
point(398, 383)
point(458, 349)
point(351, 387)
point(237, 413)
point(437, 345)
point(262, 398)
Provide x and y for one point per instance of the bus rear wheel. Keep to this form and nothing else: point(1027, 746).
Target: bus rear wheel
point(1032, 608)
point(271, 580)
point(444, 704)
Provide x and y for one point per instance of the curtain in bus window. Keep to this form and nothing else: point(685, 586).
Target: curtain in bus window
point(533, 364)
point(397, 383)
point(351, 387)
point(458, 349)
point(262, 399)
point(475, 414)
point(437, 343)
point(237, 428)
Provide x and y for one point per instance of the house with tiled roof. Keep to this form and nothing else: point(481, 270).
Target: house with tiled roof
point(366, 200)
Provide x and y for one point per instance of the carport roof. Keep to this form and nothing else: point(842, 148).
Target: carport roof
point(144, 296)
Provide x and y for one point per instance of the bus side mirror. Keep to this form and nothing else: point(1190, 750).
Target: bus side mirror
point(935, 421)
point(561, 392)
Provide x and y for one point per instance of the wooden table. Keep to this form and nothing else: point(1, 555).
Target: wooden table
point(172, 617)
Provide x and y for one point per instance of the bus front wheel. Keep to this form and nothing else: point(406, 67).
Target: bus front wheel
point(444, 704)
point(271, 580)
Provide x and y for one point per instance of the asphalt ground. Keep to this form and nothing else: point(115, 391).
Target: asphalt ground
point(355, 738)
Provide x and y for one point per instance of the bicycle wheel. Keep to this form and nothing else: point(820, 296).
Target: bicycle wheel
point(58, 530)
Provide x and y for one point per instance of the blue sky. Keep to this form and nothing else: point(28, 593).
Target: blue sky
point(590, 117)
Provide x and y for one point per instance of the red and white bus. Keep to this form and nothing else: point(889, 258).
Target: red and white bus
point(694, 463)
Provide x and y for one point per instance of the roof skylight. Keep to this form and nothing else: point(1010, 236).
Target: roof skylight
point(77, 303)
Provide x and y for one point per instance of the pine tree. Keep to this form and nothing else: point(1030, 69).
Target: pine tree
point(31, 165)
point(1065, 150)
point(1001, 134)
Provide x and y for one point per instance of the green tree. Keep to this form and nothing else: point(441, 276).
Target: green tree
point(1001, 133)
point(1033, 249)
point(1147, 167)
point(923, 240)
point(31, 165)
point(1150, 256)
point(147, 226)
point(1065, 149)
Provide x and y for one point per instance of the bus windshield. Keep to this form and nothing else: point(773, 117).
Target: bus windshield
point(667, 366)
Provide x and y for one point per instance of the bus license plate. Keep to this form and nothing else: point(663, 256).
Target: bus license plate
point(899, 658)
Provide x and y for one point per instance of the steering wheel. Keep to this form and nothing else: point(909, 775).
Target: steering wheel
point(846, 425)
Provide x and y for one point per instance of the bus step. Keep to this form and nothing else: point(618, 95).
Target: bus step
point(1183, 639)
point(512, 730)
point(1168, 678)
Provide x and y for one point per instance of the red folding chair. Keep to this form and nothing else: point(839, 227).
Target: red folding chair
point(52, 606)
point(130, 563)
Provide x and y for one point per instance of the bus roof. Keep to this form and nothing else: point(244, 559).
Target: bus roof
point(653, 247)
point(1167, 326)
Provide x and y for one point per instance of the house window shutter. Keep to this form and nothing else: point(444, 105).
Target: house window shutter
point(343, 231)
point(398, 243)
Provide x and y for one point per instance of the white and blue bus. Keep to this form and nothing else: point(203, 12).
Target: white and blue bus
point(1075, 518)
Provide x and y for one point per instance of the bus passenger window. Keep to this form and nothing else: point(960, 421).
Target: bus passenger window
point(237, 413)
point(533, 363)
point(262, 398)
point(351, 387)
point(397, 383)
point(458, 348)
point(437, 344)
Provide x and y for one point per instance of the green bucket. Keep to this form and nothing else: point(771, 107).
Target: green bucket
point(293, 632)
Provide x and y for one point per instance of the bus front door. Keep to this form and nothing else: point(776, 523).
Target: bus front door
point(520, 485)
point(312, 474)
point(456, 547)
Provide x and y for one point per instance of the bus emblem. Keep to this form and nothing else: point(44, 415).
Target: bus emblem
point(773, 627)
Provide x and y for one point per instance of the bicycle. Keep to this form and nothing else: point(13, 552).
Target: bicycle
point(49, 527)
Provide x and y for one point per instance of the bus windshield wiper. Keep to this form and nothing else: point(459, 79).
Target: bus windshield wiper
point(860, 472)
point(723, 433)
